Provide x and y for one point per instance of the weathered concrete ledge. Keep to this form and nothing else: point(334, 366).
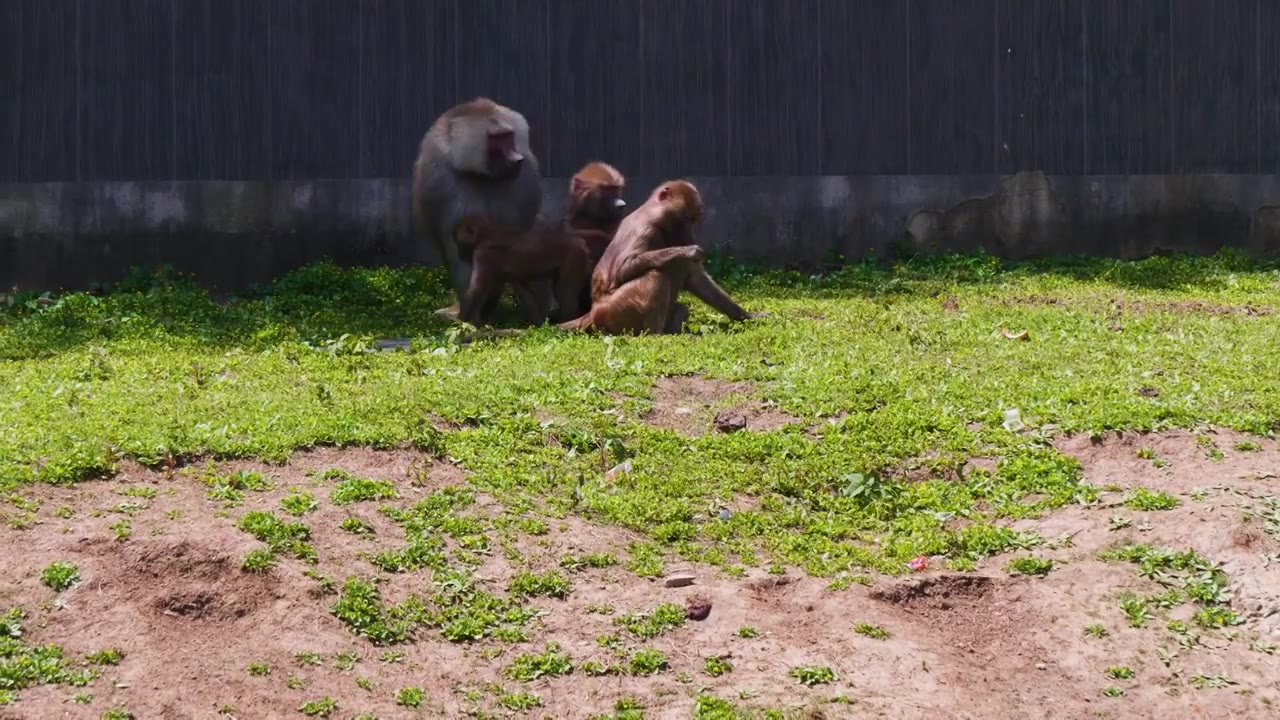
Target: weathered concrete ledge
point(232, 234)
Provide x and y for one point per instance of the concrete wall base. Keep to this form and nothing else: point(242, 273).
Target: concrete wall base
point(231, 234)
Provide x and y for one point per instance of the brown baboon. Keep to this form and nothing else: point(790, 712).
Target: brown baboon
point(651, 259)
point(500, 256)
point(595, 199)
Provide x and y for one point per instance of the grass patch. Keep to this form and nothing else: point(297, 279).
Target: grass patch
point(322, 707)
point(1096, 631)
point(156, 370)
point(811, 675)
point(23, 666)
point(357, 526)
point(648, 661)
point(1144, 499)
point(1034, 566)
point(351, 489)
point(59, 576)
point(290, 538)
point(548, 584)
point(875, 632)
point(716, 665)
point(648, 625)
point(109, 656)
point(549, 663)
point(410, 697)
point(1188, 577)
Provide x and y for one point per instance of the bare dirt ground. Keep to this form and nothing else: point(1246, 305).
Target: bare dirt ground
point(987, 644)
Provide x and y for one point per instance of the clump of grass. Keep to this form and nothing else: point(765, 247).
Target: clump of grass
point(1186, 574)
point(230, 488)
point(547, 584)
point(146, 492)
point(811, 675)
point(352, 489)
point(648, 661)
point(109, 656)
point(299, 504)
point(1144, 499)
point(360, 607)
point(356, 526)
point(1121, 672)
point(59, 576)
point(1135, 610)
point(575, 563)
point(519, 701)
point(289, 538)
point(258, 561)
point(1096, 631)
point(716, 665)
point(646, 626)
point(322, 707)
point(23, 666)
point(551, 662)
point(259, 669)
point(874, 632)
point(345, 660)
point(307, 657)
point(410, 697)
point(747, 632)
point(1034, 566)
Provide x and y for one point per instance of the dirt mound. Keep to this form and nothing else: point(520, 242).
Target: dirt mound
point(943, 592)
point(182, 579)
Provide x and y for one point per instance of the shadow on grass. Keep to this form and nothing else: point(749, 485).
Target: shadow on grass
point(323, 302)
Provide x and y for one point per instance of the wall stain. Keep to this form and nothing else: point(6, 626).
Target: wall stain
point(1022, 218)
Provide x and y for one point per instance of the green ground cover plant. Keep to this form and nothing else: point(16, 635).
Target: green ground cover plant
point(888, 363)
point(893, 378)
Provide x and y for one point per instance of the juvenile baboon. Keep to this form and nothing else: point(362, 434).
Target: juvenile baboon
point(595, 199)
point(501, 256)
point(596, 203)
point(651, 259)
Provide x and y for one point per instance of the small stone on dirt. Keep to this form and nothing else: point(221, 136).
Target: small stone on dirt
point(731, 421)
point(676, 581)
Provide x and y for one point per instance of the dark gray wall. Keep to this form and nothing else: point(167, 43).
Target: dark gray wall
point(238, 139)
point(141, 90)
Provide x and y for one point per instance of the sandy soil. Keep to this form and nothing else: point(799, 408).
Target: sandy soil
point(980, 645)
